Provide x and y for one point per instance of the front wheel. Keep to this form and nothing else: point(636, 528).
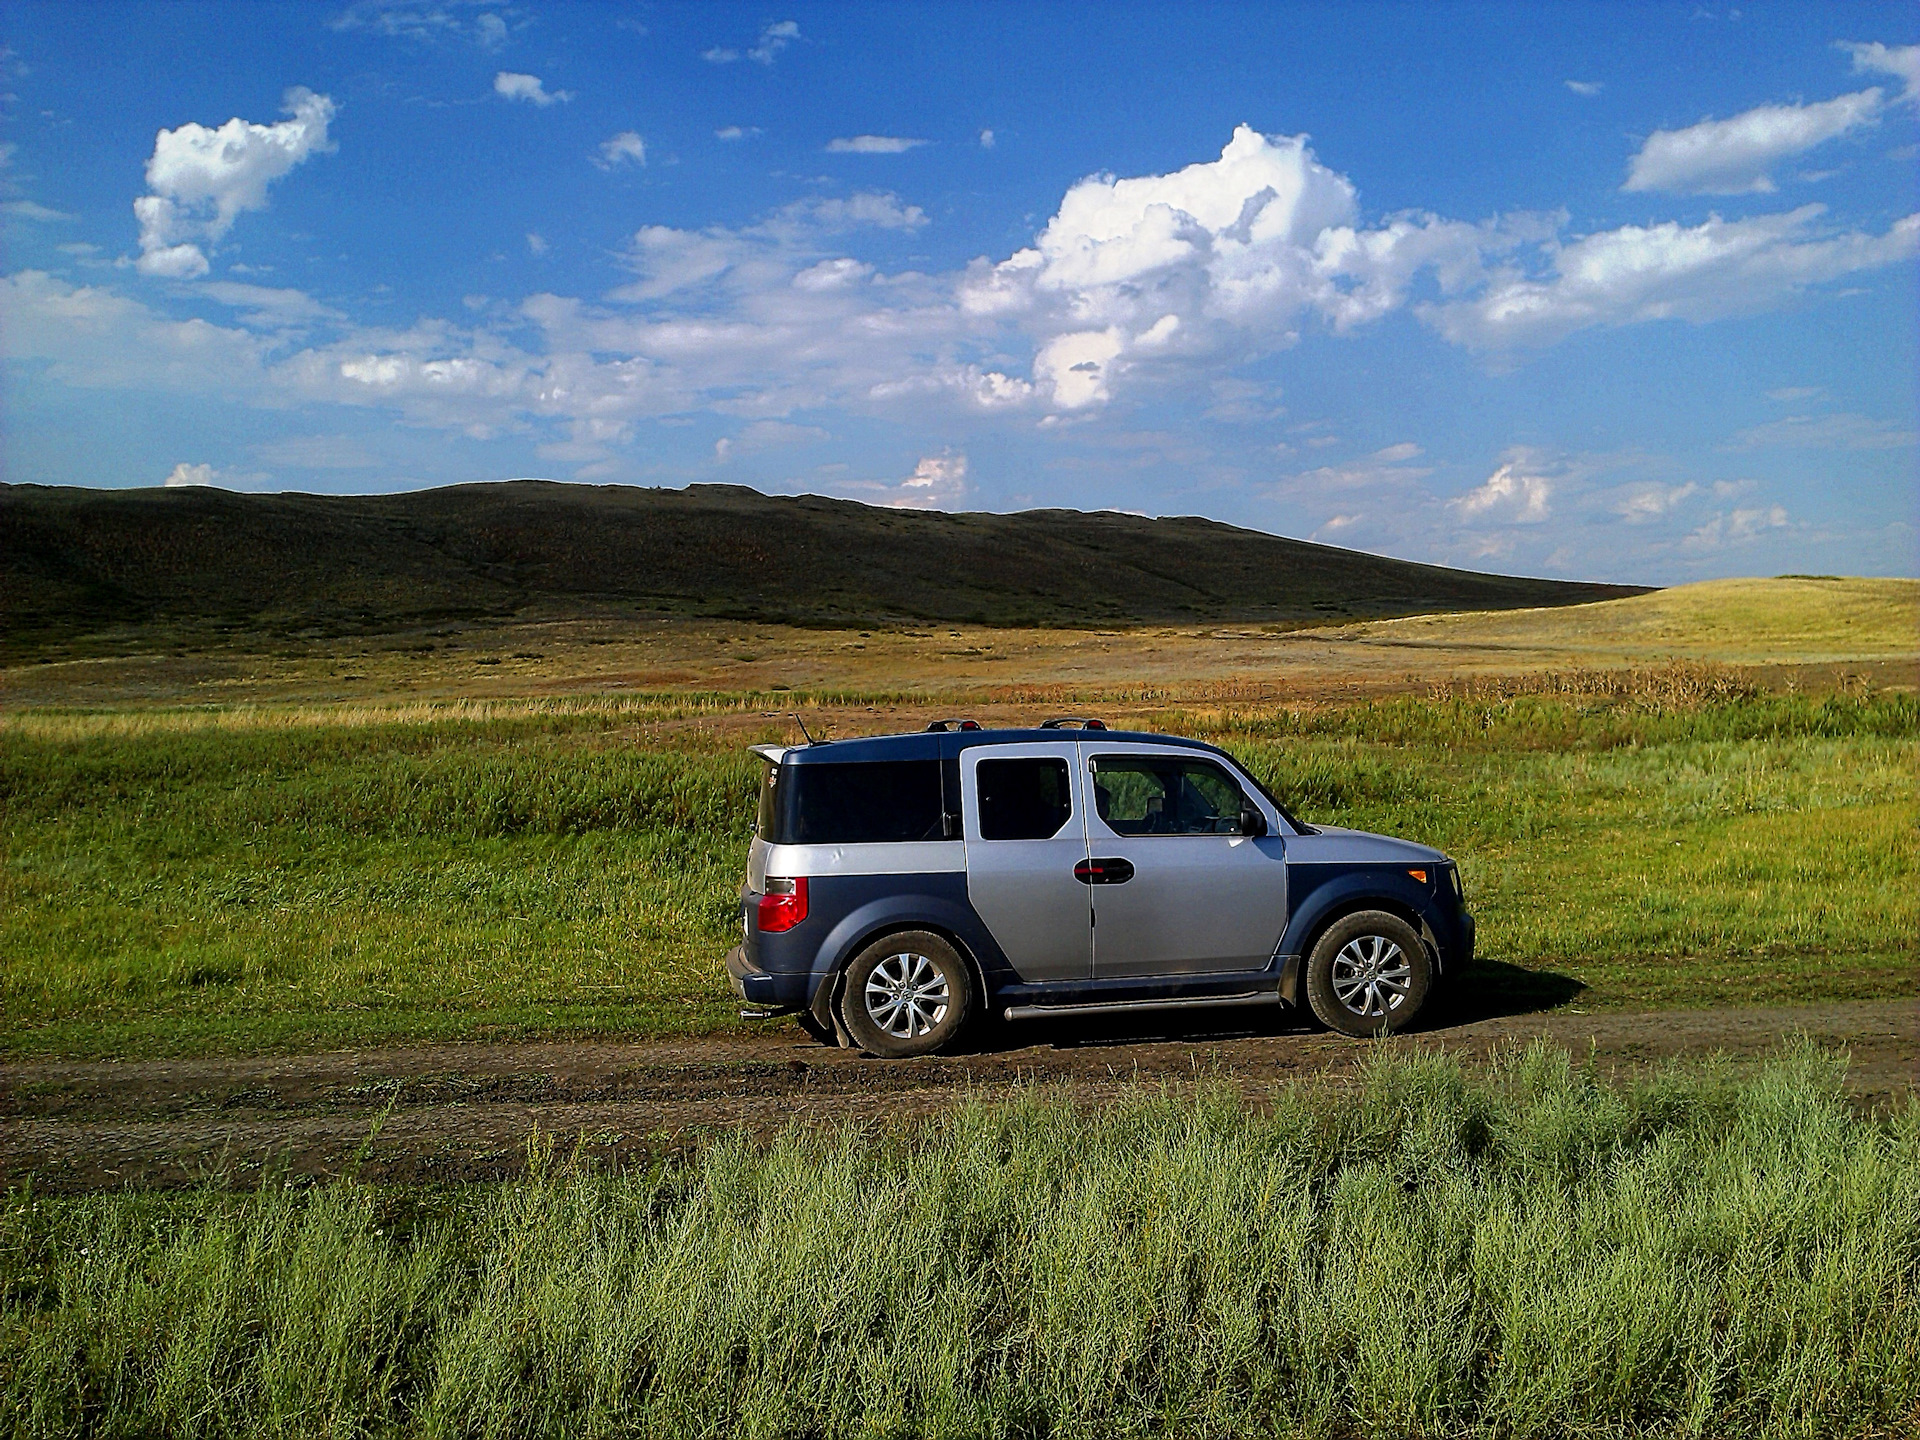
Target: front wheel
point(1368, 974)
point(907, 994)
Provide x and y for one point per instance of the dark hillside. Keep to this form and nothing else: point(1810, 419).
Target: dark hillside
point(75, 562)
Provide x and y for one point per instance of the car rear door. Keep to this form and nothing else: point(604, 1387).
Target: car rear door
point(1176, 889)
point(1026, 832)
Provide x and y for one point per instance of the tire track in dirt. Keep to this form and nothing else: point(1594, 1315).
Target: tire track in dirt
point(464, 1112)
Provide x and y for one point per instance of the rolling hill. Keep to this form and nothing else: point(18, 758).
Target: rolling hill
point(189, 563)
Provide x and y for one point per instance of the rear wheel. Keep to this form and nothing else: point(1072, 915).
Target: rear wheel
point(906, 994)
point(1368, 974)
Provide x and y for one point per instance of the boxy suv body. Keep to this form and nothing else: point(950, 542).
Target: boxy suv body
point(900, 884)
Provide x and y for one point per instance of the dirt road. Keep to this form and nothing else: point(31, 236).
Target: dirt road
point(463, 1112)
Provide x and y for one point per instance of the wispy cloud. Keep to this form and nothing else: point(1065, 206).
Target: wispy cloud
point(28, 210)
point(773, 39)
point(1737, 156)
point(872, 145)
point(1588, 88)
point(1826, 432)
point(484, 23)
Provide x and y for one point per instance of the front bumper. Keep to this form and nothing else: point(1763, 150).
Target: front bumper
point(757, 987)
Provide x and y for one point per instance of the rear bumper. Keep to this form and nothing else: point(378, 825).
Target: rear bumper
point(757, 987)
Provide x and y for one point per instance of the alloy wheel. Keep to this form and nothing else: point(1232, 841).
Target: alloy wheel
point(1371, 977)
point(906, 995)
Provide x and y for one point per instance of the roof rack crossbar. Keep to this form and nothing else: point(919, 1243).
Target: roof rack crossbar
point(1061, 722)
point(955, 724)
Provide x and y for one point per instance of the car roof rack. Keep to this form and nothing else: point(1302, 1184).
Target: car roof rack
point(943, 725)
point(1060, 722)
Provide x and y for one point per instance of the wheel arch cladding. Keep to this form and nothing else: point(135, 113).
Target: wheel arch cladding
point(1337, 896)
point(952, 921)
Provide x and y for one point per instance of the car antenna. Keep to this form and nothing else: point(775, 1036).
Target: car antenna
point(803, 728)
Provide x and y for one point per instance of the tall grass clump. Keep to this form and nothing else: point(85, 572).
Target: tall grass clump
point(1521, 1251)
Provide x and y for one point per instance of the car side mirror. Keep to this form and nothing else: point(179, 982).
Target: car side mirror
point(1252, 822)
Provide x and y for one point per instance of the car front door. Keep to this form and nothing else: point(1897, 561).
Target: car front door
point(1026, 831)
point(1177, 889)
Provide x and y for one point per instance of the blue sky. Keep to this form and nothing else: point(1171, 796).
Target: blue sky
point(1622, 292)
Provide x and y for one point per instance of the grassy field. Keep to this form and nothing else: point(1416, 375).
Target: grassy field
point(1516, 1252)
point(1815, 634)
point(1745, 622)
point(174, 882)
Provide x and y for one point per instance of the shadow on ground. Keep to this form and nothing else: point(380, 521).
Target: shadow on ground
point(1494, 990)
point(1485, 990)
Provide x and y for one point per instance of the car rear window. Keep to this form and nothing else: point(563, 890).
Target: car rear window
point(860, 803)
point(1022, 799)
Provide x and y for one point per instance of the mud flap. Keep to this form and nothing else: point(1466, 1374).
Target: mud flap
point(825, 1011)
point(1290, 980)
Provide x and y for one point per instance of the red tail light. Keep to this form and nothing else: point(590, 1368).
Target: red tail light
point(784, 905)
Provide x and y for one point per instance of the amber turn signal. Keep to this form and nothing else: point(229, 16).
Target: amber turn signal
point(1419, 875)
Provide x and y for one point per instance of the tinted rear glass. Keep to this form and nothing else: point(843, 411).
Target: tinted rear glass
point(1023, 799)
point(852, 804)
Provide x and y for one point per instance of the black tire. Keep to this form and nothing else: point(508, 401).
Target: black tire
point(906, 994)
point(1368, 974)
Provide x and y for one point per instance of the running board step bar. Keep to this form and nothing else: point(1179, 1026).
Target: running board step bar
point(1120, 1007)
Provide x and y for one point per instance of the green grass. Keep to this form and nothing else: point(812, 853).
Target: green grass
point(1516, 1251)
point(259, 885)
point(1751, 621)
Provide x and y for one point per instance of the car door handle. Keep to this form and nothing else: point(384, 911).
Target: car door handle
point(1111, 870)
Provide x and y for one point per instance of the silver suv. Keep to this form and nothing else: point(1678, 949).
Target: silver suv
point(900, 884)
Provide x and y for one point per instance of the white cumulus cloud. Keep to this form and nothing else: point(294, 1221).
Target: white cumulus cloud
point(1075, 366)
point(1227, 254)
point(184, 474)
point(200, 180)
point(626, 146)
point(1512, 494)
point(510, 85)
point(938, 482)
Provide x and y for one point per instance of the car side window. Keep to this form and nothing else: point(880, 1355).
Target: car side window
point(1156, 795)
point(1022, 799)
